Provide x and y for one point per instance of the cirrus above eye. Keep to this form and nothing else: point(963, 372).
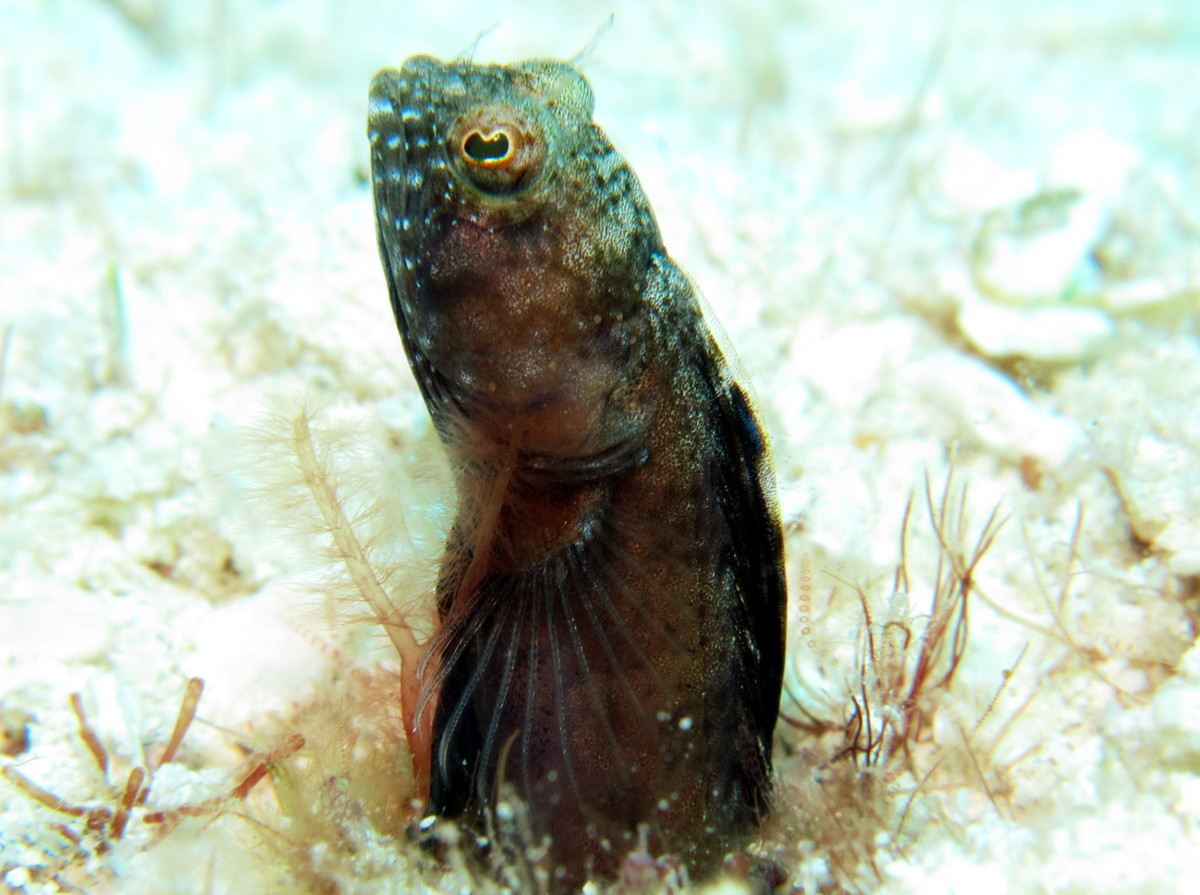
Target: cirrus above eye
point(495, 149)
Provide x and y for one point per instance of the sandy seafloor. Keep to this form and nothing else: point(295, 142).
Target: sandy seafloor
point(940, 235)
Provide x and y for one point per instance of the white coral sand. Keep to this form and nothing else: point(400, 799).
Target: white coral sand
point(940, 235)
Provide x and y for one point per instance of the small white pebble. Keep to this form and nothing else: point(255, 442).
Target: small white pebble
point(17, 878)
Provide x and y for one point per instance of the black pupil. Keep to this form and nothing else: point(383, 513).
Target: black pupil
point(478, 149)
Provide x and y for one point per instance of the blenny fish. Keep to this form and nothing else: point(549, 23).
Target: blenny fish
point(611, 598)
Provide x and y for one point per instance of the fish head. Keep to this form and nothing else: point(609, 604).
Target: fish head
point(515, 240)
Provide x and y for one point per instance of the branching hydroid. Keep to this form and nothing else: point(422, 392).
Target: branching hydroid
point(331, 482)
point(854, 780)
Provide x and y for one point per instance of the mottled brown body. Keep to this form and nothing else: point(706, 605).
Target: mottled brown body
point(612, 597)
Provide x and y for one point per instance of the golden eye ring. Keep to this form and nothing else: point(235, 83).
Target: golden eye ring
point(494, 148)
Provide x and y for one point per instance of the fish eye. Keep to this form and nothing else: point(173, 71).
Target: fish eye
point(496, 149)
